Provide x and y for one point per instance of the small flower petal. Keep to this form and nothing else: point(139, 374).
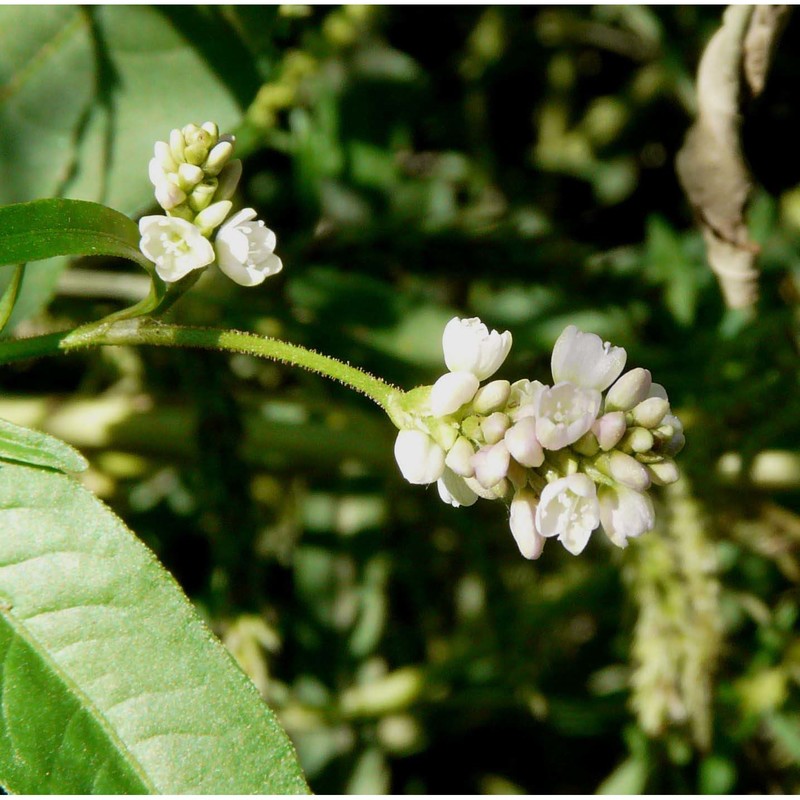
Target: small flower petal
point(568, 508)
point(454, 490)
point(470, 347)
point(584, 360)
point(245, 249)
point(522, 443)
point(625, 513)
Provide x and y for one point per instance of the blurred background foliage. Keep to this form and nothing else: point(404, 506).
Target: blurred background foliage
point(417, 163)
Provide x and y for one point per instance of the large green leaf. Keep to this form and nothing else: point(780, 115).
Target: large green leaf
point(46, 228)
point(47, 80)
point(37, 448)
point(110, 681)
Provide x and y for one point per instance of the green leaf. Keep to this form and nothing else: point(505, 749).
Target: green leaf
point(10, 294)
point(47, 80)
point(38, 289)
point(110, 681)
point(46, 228)
point(40, 449)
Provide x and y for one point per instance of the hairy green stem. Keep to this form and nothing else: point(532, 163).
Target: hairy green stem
point(150, 332)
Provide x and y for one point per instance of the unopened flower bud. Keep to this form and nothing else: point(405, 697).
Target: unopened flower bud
point(650, 412)
point(177, 144)
point(454, 490)
point(628, 471)
point(195, 153)
point(218, 157)
point(189, 132)
point(229, 179)
point(459, 458)
point(491, 464)
point(587, 445)
point(420, 459)
point(609, 429)
point(214, 215)
point(491, 397)
point(637, 440)
point(663, 473)
point(169, 195)
point(203, 194)
point(212, 129)
point(522, 443)
point(156, 172)
point(629, 390)
point(164, 157)
point(494, 427)
point(189, 176)
point(451, 391)
point(523, 523)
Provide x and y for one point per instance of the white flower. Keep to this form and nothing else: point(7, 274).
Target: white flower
point(469, 347)
point(420, 459)
point(523, 523)
point(175, 246)
point(584, 360)
point(564, 413)
point(451, 391)
point(245, 249)
point(454, 490)
point(625, 513)
point(568, 508)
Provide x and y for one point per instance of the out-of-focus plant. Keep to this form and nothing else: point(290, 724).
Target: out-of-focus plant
point(517, 165)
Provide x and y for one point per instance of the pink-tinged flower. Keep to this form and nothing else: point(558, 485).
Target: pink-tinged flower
point(564, 413)
point(568, 509)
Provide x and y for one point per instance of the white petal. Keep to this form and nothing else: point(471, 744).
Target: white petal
point(469, 347)
point(420, 459)
point(523, 445)
point(451, 391)
point(630, 389)
point(491, 464)
point(564, 413)
point(584, 360)
point(568, 508)
point(459, 457)
point(625, 513)
point(454, 490)
point(523, 524)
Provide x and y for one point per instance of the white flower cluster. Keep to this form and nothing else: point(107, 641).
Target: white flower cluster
point(194, 179)
point(566, 456)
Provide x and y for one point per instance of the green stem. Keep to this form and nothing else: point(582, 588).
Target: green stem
point(149, 332)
